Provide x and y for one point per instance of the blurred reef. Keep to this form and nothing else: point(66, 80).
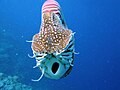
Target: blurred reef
point(11, 83)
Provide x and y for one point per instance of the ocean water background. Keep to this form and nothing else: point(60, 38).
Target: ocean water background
point(97, 39)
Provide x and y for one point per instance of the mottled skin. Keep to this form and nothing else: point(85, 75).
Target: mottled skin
point(53, 36)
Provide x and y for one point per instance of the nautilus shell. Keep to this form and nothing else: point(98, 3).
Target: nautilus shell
point(53, 46)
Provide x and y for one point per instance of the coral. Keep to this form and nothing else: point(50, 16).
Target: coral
point(11, 83)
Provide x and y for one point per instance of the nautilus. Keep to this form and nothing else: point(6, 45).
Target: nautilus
point(53, 45)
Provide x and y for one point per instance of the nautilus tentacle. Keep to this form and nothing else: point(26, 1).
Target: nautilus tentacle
point(31, 56)
point(43, 71)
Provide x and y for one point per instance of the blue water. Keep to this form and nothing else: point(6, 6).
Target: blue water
point(97, 39)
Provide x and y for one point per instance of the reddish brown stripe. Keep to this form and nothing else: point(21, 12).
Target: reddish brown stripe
point(50, 11)
point(50, 8)
point(51, 5)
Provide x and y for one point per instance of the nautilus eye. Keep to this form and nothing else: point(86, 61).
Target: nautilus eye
point(53, 17)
